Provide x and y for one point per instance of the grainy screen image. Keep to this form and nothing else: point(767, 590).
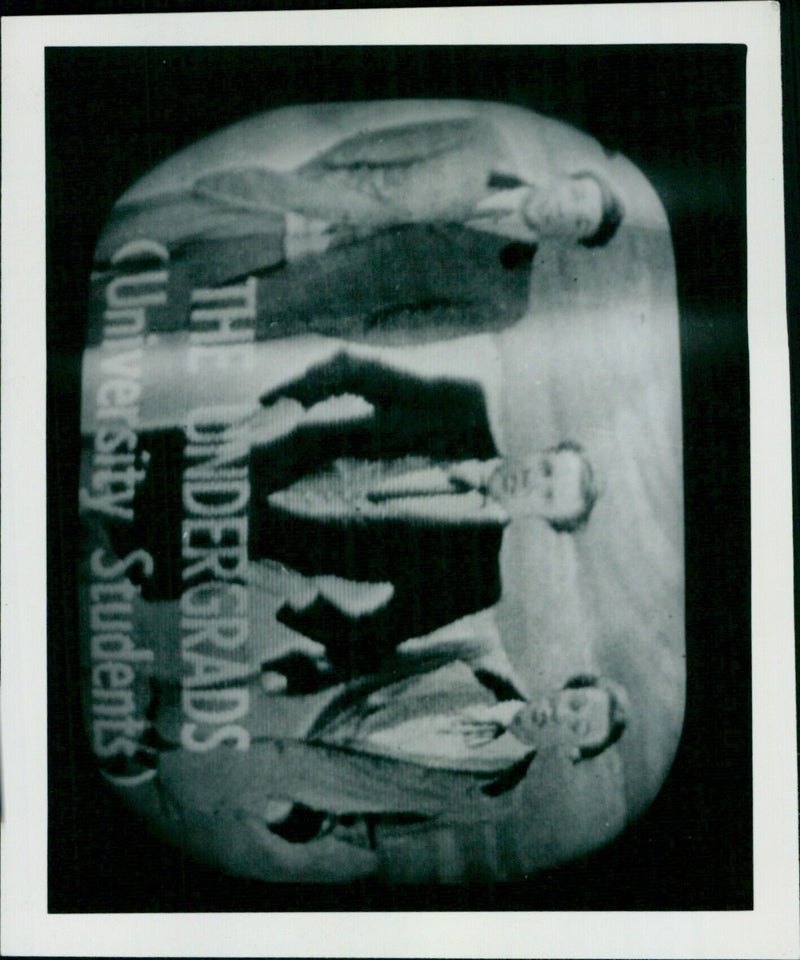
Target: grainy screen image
point(379, 552)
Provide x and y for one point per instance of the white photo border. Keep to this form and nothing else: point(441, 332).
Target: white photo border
point(771, 928)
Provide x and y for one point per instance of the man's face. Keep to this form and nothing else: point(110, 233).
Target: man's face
point(581, 717)
point(585, 714)
point(550, 484)
point(569, 207)
point(559, 489)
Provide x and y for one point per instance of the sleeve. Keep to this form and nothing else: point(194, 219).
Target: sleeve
point(179, 220)
point(261, 189)
point(403, 144)
point(248, 188)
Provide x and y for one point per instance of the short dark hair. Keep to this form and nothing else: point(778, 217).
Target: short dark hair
point(589, 490)
point(618, 708)
point(613, 211)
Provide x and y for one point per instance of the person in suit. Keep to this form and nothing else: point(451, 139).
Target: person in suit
point(457, 170)
point(385, 495)
point(411, 231)
point(445, 734)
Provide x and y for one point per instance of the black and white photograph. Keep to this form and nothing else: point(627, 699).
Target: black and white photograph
point(353, 601)
point(398, 459)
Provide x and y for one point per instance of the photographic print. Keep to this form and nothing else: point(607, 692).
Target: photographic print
point(381, 481)
point(402, 402)
point(346, 424)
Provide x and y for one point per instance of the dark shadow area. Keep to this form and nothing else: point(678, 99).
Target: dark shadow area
point(678, 113)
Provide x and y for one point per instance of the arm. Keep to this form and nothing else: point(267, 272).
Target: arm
point(280, 419)
point(416, 414)
point(402, 145)
point(258, 188)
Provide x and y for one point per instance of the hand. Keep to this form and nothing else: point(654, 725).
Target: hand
point(354, 598)
point(276, 811)
point(503, 213)
point(295, 673)
point(339, 409)
point(247, 847)
point(475, 733)
point(273, 681)
point(502, 203)
point(479, 733)
point(273, 423)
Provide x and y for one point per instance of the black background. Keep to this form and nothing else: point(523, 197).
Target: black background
point(678, 113)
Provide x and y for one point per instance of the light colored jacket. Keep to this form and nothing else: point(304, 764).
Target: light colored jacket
point(311, 758)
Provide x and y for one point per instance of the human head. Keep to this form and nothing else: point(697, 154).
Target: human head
point(556, 484)
point(589, 714)
point(567, 487)
point(613, 212)
point(570, 510)
point(580, 206)
point(618, 709)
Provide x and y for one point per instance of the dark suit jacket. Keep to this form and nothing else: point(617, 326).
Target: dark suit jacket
point(440, 571)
